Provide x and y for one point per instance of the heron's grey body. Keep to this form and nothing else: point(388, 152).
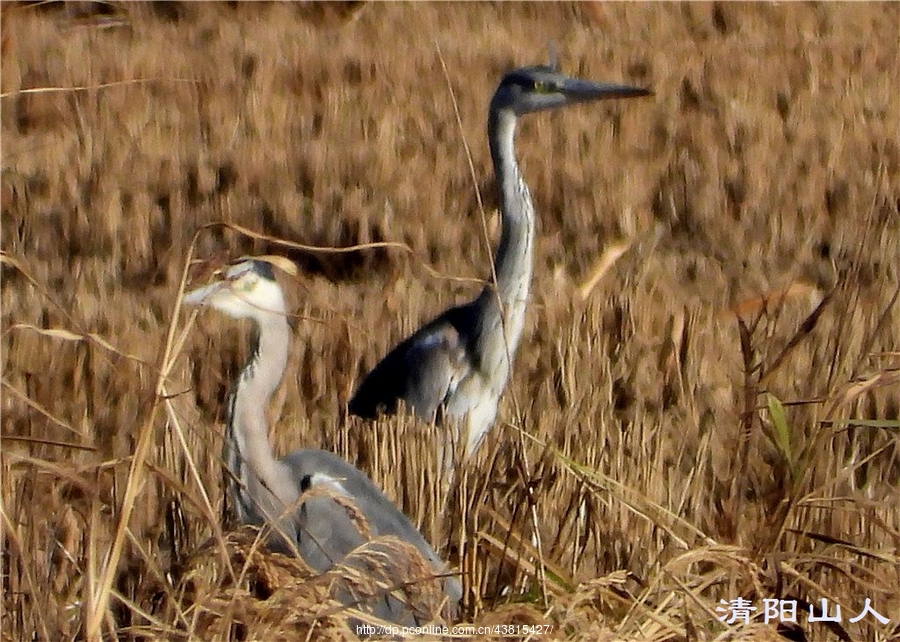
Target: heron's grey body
point(266, 491)
point(458, 364)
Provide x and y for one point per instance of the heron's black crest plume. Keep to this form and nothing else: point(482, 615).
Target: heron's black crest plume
point(525, 77)
point(262, 268)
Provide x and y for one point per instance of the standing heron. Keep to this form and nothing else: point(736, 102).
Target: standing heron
point(271, 492)
point(458, 364)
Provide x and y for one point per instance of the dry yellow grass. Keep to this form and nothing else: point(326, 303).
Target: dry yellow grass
point(637, 474)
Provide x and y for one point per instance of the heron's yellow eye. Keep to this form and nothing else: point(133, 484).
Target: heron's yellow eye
point(246, 284)
point(544, 86)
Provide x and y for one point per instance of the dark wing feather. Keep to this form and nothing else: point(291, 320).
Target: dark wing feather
point(422, 370)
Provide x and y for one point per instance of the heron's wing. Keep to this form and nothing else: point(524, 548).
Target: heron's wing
point(325, 532)
point(422, 371)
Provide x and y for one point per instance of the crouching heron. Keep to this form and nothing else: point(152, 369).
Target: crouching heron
point(457, 365)
point(302, 496)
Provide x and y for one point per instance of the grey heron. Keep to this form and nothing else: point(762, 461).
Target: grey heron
point(266, 491)
point(457, 365)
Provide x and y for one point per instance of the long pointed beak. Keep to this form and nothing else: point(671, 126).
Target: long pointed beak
point(199, 296)
point(576, 90)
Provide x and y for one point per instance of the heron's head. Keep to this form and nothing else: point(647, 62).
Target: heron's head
point(245, 290)
point(542, 87)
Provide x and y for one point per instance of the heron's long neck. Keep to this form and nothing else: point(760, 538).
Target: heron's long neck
point(513, 261)
point(248, 452)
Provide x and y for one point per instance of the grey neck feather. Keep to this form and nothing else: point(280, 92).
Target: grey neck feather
point(513, 261)
point(248, 453)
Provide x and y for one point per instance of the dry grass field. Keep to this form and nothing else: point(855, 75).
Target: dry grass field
point(711, 416)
